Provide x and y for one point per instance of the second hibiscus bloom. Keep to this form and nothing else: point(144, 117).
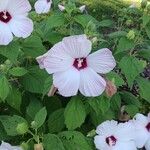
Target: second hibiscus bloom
point(74, 68)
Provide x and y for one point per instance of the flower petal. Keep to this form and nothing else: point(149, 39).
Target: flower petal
point(67, 82)
point(5, 34)
point(19, 7)
point(3, 4)
point(102, 61)
point(42, 6)
point(21, 26)
point(141, 119)
point(77, 46)
point(125, 146)
point(147, 145)
point(91, 84)
point(55, 59)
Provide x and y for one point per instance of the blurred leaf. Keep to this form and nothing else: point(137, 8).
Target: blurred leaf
point(144, 88)
point(147, 29)
point(124, 45)
point(18, 71)
point(33, 46)
point(144, 54)
point(74, 113)
point(52, 142)
point(4, 87)
point(56, 121)
point(132, 110)
point(117, 34)
point(146, 19)
point(106, 23)
point(14, 99)
point(131, 67)
point(74, 140)
point(40, 118)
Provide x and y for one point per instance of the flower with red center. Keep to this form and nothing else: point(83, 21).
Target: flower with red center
point(74, 69)
point(114, 136)
point(142, 130)
point(7, 146)
point(14, 20)
point(43, 6)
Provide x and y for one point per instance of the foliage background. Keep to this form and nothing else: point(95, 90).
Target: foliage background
point(28, 116)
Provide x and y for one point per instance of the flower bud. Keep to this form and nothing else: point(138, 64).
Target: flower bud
point(82, 8)
point(22, 128)
point(33, 124)
point(38, 146)
point(61, 7)
point(111, 89)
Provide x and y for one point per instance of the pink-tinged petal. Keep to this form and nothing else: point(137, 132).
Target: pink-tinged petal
point(147, 145)
point(67, 82)
point(61, 7)
point(3, 5)
point(141, 137)
point(82, 8)
point(56, 59)
point(102, 61)
point(42, 6)
point(100, 143)
point(107, 127)
point(5, 34)
point(77, 46)
point(130, 145)
point(19, 7)
point(21, 26)
point(91, 84)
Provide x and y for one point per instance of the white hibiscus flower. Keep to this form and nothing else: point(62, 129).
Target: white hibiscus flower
point(7, 146)
point(43, 6)
point(114, 136)
point(14, 20)
point(142, 131)
point(74, 69)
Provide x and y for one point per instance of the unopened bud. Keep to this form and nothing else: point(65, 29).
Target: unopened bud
point(38, 146)
point(111, 88)
point(61, 7)
point(82, 8)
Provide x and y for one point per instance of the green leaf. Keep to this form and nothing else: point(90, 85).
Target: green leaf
point(52, 142)
point(106, 23)
point(3, 134)
point(74, 113)
point(33, 107)
point(14, 99)
point(85, 19)
point(115, 78)
point(144, 87)
point(33, 46)
point(10, 51)
point(132, 110)
point(130, 99)
point(144, 54)
point(124, 45)
point(34, 80)
point(4, 87)
point(56, 121)
point(131, 67)
point(18, 71)
point(40, 118)
point(55, 20)
point(10, 124)
point(147, 29)
point(74, 140)
point(117, 34)
point(146, 19)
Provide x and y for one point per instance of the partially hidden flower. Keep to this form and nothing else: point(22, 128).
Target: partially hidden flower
point(142, 130)
point(82, 8)
point(111, 88)
point(114, 136)
point(7, 146)
point(74, 69)
point(61, 7)
point(42, 6)
point(14, 20)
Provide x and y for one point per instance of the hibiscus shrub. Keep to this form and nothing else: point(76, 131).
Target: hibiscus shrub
point(66, 68)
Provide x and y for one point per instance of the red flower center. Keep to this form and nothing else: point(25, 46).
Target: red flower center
point(5, 16)
point(80, 63)
point(148, 127)
point(48, 1)
point(111, 140)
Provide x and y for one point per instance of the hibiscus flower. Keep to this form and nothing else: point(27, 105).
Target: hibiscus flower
point(114, 136)
point(142, 131)
point(14, 20)
point(7, 146)
point(74, 69)
point(43, 6)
